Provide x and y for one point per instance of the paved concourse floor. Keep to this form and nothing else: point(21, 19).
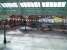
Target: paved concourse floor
point(34, 40)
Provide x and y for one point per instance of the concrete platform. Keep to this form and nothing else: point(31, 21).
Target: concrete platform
point(34, 41)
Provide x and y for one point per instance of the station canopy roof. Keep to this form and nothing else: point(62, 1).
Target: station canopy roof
point(33, 7)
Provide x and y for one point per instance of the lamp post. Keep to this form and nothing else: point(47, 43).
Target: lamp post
point(25, 24)
point(4, 27)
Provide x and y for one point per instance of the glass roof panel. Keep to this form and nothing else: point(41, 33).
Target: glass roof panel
point(47, 4)
point(53, 4)
point(30, 4)
point(9, 4)
point(59, 4)
point(27, 4)
point(35, 4)
point(63, 4)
